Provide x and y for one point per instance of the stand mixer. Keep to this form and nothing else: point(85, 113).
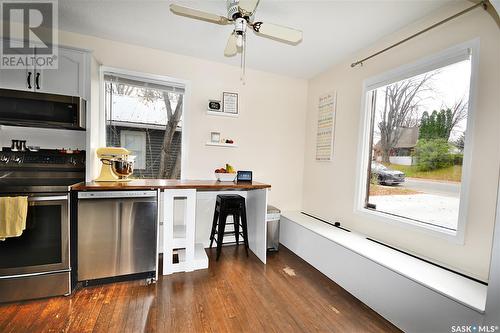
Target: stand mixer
point(117, 164)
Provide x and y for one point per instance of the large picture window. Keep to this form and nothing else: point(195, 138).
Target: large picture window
point(145, 116)
point(417, 124)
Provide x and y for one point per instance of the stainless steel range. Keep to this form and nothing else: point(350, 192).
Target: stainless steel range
point(37, 263)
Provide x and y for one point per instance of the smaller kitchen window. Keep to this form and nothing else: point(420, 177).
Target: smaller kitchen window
point(135, 141)
point(145, 115)
point(415, 151)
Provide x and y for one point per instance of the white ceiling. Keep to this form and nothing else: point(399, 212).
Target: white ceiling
point(332, 29)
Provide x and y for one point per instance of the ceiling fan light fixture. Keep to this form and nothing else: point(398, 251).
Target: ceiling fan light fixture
point(241, 14)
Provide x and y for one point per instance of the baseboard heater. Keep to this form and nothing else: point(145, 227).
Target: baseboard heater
point(335, 224)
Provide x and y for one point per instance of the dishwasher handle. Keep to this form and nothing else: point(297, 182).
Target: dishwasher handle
point(116, 194)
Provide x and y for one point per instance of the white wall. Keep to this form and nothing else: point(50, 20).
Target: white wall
point(95, 127)
point(269, 130)
point(329, 187)
point(493, 301)
point(492, 316)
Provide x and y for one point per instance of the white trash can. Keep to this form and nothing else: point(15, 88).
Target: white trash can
point(273, 228)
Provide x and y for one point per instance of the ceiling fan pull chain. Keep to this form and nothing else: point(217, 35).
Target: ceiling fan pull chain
point(243, 59)
point(244, 55)
point(242, 70)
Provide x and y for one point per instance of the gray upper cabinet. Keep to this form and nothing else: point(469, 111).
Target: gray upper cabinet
point(18, 79)
point(67, 79)
point(70, 78)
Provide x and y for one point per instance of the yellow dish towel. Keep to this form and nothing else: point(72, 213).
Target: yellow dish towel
point(13, 211)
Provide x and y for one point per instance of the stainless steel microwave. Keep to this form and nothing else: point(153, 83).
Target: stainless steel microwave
point(35, 109)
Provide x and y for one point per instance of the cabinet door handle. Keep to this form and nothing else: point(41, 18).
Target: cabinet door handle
point(29, 80)
point(37, 80)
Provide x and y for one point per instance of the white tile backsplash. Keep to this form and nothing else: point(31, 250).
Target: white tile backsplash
point(46, 138)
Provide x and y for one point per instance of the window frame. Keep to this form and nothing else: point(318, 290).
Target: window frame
point(423, 65)
point(142, 136)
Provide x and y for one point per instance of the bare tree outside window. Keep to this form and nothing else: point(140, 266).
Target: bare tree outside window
point(153, 111)
point(400, 110)
point(173, 121)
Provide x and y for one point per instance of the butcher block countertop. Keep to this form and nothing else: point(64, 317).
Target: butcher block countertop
point(153, 184)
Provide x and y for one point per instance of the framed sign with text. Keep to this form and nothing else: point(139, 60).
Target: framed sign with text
point(326, 126)
point(230, 103)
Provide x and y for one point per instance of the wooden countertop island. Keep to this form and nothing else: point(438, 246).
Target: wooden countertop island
point(200, 197)
point(163, 184)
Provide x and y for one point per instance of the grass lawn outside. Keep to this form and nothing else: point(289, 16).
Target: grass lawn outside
point(453, 173)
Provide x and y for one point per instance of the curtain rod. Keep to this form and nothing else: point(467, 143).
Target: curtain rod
point(482, 3)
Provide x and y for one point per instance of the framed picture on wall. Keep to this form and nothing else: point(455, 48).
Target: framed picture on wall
point(326, 126)
point(215, 137)
point(230, 103)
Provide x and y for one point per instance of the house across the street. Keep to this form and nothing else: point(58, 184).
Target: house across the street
point(403, 149)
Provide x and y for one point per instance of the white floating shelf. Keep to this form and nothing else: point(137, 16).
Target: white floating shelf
point(223, 114)
point(232, 145)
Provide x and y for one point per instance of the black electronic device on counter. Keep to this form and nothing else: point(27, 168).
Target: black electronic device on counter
point(244, 176)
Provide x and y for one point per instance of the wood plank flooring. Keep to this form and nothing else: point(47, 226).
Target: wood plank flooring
point(236, 294)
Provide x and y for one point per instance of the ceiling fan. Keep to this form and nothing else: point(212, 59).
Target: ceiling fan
point(241, 14)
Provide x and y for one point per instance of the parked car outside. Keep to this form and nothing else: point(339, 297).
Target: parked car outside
point(386, 176)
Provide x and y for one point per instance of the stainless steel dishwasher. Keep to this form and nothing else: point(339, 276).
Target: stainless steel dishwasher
point(117, 235)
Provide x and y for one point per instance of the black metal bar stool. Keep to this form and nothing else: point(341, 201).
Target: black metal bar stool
point(229, 204)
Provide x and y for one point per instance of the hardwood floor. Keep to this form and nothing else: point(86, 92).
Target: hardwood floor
point(236, 294)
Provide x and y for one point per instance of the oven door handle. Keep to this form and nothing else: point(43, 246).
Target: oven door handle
point(53, 198)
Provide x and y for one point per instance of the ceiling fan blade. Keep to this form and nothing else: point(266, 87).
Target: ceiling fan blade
point(248, 6)
point(278, 32)
point(231, 48)
point(198, 14)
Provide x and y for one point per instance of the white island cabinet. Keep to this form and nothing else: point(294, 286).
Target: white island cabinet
point(186, 221)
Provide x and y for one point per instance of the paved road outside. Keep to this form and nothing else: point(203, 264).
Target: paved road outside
point(440, 210)
point(451, 189)
point(437, 203)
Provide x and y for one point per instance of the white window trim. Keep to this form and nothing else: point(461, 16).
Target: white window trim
point(140, 134)
point(151, 78)
point(423, 65)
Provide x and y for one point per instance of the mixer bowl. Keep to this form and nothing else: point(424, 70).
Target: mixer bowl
point(123, 168)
